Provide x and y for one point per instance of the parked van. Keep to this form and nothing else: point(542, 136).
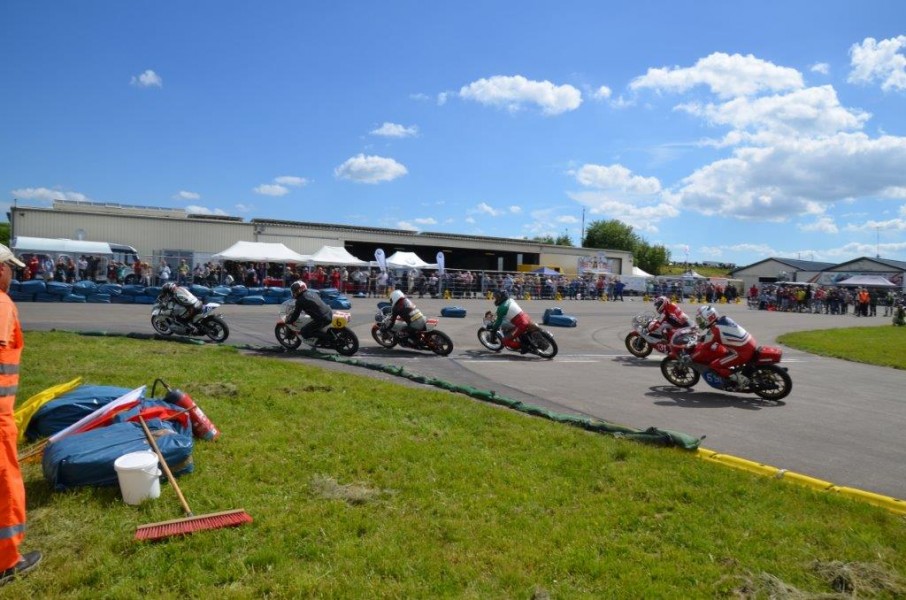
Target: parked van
point(51, 253)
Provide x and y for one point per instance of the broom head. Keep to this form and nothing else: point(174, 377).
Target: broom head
point(187, 525)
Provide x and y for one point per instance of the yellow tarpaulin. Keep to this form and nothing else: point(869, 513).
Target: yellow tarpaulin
point(24, 413)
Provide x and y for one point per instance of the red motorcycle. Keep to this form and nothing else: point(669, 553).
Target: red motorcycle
point(762, 375)
point(642, 339)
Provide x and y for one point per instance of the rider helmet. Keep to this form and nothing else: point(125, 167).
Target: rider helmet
point(500, 296)
point(660, 304)
point(168, 287)
point(297, 288)
point(705, 316)
point(396, 296)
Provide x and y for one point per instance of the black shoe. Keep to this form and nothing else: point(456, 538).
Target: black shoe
point(26, 563)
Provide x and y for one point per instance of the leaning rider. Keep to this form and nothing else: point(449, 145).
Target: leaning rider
point(186, 305)
point(309, 302)
point(508, 310)
point(404, 308)
point(670, 317)
point(723, 345)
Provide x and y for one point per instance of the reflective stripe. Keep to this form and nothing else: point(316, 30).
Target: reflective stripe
point(9, 369)
point(11, 531)
point(9, 390)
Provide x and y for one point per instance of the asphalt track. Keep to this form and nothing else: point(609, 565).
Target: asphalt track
point(843, 422)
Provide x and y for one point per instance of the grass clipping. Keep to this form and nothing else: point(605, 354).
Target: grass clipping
point(848, 580)
point(323, 486)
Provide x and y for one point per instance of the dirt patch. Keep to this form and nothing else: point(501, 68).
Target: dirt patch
point(353, 493)
point(218, 389)
point(847, 580)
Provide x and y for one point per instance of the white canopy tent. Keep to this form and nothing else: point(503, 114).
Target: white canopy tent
point(37, 245)
point(336, 255)
point(260, 252)
point(637, 272)
point(407, 260)
point(867, 281)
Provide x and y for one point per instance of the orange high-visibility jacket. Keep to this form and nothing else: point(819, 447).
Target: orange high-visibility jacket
point(12, 489)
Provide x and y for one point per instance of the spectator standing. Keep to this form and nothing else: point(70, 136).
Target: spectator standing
point(12, 487)
point(163, 272)
point(182, 272)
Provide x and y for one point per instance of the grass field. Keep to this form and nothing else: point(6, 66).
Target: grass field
point(885, 346)
point(366, 489)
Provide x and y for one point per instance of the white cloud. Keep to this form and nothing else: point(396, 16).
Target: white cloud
point(370, 169)
point(643, 217)
point(822, 68)
point(420, 97)
point(271, 189)
point(567, 219)
point(395, 130)
point(184, 195)
point(426, 221)
point(442, 98)
point(291, 180)
point(616, 177)
point(515, 210)
point(406, 225)
point(48, 195)
point(514, 92)
point(245, 208)
point(470, 220)
point(823, 224)
point(888, 225)
point(147, 79)
point(487, 209)
point(602, 93)
point(202, 210)
point(726, 75)
point(879, 61)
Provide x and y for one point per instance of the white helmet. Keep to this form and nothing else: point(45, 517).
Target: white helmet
point(396, 296)
point(705, 316)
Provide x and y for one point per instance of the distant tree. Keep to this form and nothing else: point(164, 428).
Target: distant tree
point(563, 240)
point(544, 239)
point(4, 234)
point(617, 235)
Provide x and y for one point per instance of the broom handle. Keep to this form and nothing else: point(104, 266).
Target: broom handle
point(163, 463)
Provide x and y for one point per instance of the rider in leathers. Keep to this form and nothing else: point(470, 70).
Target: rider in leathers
point(509, 310)
point(403, 308)
point(723, 345)
point(309, 302)
point(670, 317)
point(186, 306)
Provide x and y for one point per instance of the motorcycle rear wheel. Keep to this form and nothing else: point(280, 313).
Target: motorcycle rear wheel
point(488, 341)
point(287, 337)
point(347, 342)
point(771, 382)
point(677, 374)
point(387, 339)
point(637, 345)
point(216, 329)
point(544, 343)
point(161, 325)
point(439, 342)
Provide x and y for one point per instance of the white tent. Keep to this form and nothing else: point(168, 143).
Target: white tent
point(637, 272)
point(260, 252)
point(336, 255)
point(407, 260)
point(867, 281)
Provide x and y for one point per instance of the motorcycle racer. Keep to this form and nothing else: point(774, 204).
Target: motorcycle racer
point(670, 316)
point(404, 308)
point(185, 305)
point(723, 345)
point(309, 302)
point(508, 310)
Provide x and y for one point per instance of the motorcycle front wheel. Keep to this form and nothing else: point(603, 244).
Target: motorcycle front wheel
point(544, 343)
point(385, 338)
point(678, 374)
point(491, 342)
point(287, 337)
point(161, 325)
point(216, 329)
point(771, 382)
point(347, 342)
point(439, 342)
point(637, 345)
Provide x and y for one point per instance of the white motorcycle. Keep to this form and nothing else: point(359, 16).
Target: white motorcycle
point(166, 320)
point(336, 335)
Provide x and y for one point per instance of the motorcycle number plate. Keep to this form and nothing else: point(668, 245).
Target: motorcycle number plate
point(339, 322)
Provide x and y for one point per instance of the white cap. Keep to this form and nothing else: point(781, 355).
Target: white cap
point(7, 256)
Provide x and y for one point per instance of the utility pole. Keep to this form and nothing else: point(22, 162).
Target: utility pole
point(582, 238)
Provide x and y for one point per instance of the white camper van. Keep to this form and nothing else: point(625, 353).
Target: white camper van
point(49, 251)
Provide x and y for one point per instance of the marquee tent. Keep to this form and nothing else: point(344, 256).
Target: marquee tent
point(336, 255)
point(637, 272)
point(260, 252)
point(867, 281)
point(407, 260)
point(545, 271)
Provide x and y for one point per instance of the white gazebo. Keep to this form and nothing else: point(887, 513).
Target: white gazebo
point(260, 252)
point(336, 256)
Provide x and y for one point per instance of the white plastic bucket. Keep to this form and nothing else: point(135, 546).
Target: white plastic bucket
point(139, 476)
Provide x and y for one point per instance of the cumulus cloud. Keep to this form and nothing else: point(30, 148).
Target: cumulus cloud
point(725, 75)
point(184, 195)
point(822, 68)
point(370, 169)
point(203, 210)
point(823, 224)
point(395, 130)
point(602, 93)
point(616, 177)
point(487, 209)
point(513, 93)
point(291, 180)
point(871, 225)
point(147, 79)
point(48, 195)
point(406, 226)
point(641, 216)
point(879, 61)
point(416, 224)
point(271, 189)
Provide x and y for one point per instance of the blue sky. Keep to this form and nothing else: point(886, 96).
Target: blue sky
point(725, 131)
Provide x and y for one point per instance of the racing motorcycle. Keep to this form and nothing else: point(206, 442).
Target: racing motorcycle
point(207, 323)
point(641, 340)
point(534, 340)
point(388, 334)
point(762, 375)
point(336, 335)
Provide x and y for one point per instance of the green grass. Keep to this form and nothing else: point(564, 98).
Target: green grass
point(366, 489)
point(883, 346)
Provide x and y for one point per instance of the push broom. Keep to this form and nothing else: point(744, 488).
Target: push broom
point(190, 523)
